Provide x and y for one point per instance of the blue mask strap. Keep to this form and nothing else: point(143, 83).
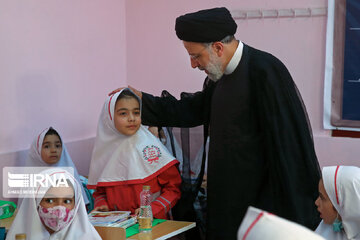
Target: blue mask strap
point(337, 225)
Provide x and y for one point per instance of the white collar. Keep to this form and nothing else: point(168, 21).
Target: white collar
point(234, 62)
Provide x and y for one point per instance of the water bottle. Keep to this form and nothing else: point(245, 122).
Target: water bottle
point(145, 215)
point(20, 236)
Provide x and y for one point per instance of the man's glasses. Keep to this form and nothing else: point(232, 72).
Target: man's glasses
point(196, 56)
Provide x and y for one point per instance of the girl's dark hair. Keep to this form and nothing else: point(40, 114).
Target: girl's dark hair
point(52, 131)
point(126, 93)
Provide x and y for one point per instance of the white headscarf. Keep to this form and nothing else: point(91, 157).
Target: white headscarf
point(120, 159)
point(34, 158)
point(27, 219)
point(260, 225)
point(345, 197)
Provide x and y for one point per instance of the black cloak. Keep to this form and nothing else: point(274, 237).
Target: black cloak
point(261, 150)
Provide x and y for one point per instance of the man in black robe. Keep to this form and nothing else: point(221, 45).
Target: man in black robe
point(261, 150)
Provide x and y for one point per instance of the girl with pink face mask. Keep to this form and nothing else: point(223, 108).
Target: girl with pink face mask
point(54, 212)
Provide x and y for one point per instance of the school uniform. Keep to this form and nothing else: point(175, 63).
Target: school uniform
point(342, 184)
point(28, 221)
point(121, 165)
point(261, 225)
point(34, 158)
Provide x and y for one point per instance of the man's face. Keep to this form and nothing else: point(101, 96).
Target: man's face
point(205, 59)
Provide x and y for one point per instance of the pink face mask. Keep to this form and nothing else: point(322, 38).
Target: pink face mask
point(56, 218)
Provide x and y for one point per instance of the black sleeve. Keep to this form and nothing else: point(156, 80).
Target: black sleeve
point(170, 112)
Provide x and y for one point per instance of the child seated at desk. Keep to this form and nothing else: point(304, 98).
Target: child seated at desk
point(339, 203)
point(127, 156)
point(54, 212)
point(48, 150)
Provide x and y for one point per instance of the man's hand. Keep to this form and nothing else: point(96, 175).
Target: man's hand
point(102, 208)
point(138, 93)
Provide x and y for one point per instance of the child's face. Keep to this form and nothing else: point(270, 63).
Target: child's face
point(324, 205)
point(59, 196)
point(51, 149)
point(127, 117)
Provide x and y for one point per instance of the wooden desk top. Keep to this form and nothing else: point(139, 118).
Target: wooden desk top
point(161, 231)
point(6, 222)
point(166, 230)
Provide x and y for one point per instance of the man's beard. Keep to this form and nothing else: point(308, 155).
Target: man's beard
point(214, 67)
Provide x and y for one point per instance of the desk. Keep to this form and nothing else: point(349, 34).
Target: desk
point(161, 231)
point(167, 229)
point(105, 232)
point(111, 233)
point(7, 222)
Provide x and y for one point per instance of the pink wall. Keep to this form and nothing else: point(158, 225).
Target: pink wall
point(157, 60)
point(58, 61)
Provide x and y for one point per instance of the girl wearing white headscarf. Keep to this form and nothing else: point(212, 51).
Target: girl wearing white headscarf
point(127, 156)
point(64, 160)
point(60, 222)
point(339, 203)
point(261, 225)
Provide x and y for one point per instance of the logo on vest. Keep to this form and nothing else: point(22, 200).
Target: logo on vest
point(151, 154)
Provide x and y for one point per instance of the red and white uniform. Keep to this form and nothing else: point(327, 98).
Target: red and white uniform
point(121, 165)
point(261, 225)
point(342, 184)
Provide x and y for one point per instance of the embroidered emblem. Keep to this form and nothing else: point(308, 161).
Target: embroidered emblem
point(151, 154)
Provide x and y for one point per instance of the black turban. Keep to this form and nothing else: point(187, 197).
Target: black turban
point(204, 26)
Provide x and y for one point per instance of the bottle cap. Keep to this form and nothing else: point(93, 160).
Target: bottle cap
point(20, 236)
point(146, 187)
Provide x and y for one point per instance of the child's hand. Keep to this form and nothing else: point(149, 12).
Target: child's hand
point(154, 131)
point(103, 208)
point(204, 182)
point(137, 211)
